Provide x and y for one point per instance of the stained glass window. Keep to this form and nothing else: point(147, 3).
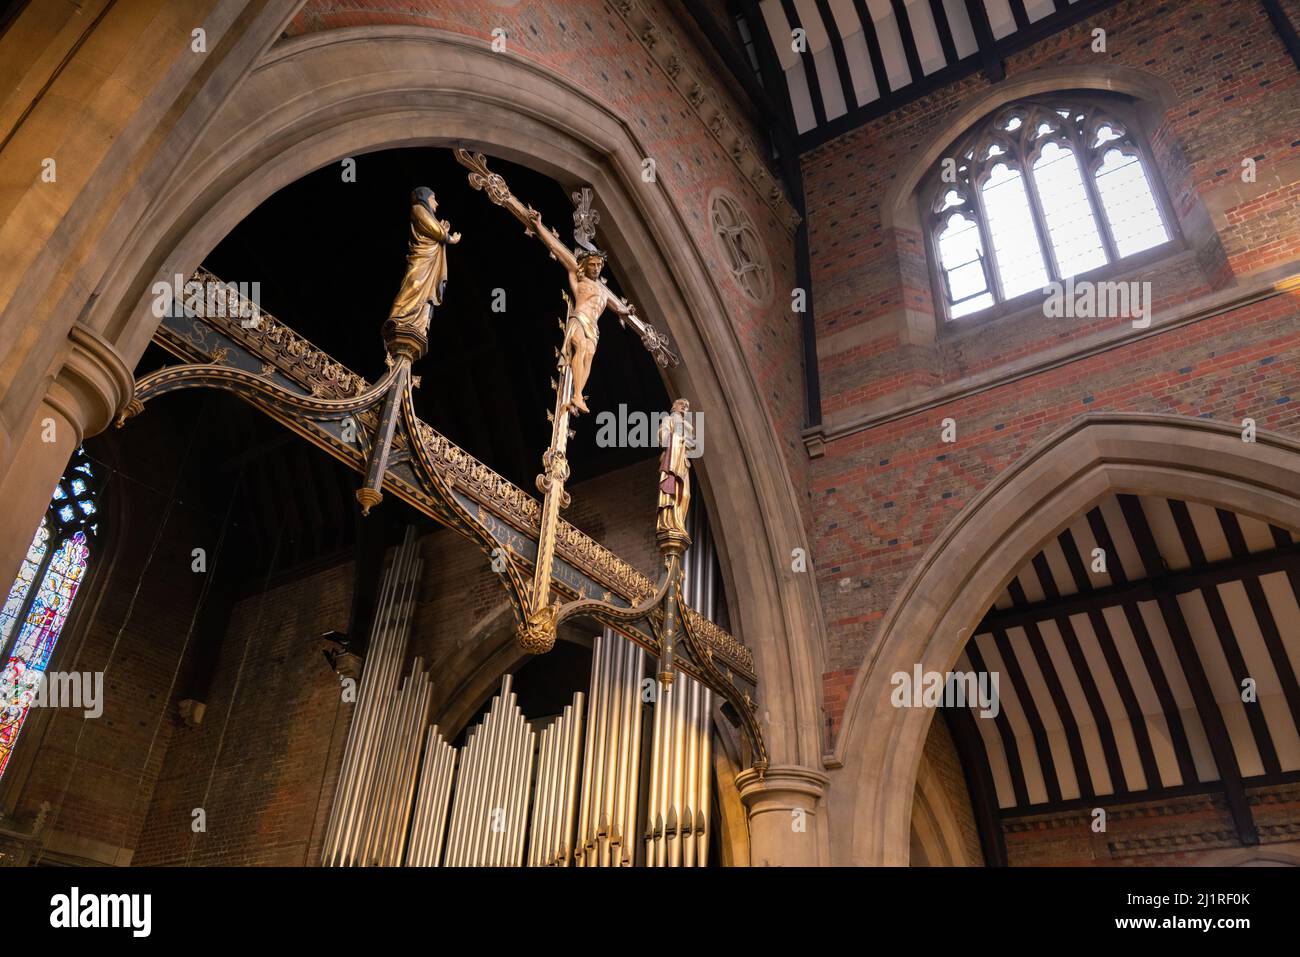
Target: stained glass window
point(1053, 193)
point(41, 597)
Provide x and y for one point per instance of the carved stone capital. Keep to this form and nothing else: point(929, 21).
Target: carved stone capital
point(93, 386)
point(784, 787)
point(782, 804)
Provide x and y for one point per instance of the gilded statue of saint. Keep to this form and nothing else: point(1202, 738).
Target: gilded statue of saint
point(426, 268)
point(677, 437)
point(590, 298)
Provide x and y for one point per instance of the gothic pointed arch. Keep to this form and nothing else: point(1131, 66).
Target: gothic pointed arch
point(316, 99)
point(962, 573)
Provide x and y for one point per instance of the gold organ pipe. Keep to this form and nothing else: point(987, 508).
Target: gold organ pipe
point(464, 786)
point(386, 808)
point(500, 833)
point(488, 773)
point(387, 736)
point(464, 759)
point(626, 703)
point(521, 793)
point(691, 794)
point(536, 835)
point(626, 779)
point(388, 642)
point(556, 777)
point(565, 764)
point(679, 771)
point(573, 750)
point(415, 723)
point(678, 818)
point(489, 780)
point(464, 796)
point(431, 805)
point(560, 777)
point(480, 797)
point(560, 750)
point(628, 755)
point(345, 797)
point(392, 807)
point(591, 839)
point(609, 767)
point(499, 827)
point(703, 795)
point(669, 701)
point(550, 803)
point(589, 752)
point(436, 829)
point(377, 795)
point(654, 823)
point(425, 800)
point(554, 785)
point(488, 801)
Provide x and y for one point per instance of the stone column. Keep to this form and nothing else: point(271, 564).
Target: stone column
point(82, 400)
point(784, 830)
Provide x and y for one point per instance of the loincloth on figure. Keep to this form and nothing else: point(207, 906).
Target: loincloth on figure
point(588, 326)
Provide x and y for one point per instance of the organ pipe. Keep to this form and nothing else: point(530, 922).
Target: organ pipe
point(551, 834)
point(611, 771)
point(352, 807)
point(429, 820)
point(489, 813)
point(678, 827)
point(406, 796)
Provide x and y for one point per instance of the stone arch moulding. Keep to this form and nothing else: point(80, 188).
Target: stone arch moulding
point(318, 98)
point(994, 535)
point(1153, 95)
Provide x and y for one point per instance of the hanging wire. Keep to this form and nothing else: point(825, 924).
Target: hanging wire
point(189, 632)
point(130, 611)
point(239, 675)
point(324, 773)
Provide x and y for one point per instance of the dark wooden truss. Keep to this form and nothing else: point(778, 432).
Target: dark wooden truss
point(1140, 636)
point(987, 58)
point(373, 429)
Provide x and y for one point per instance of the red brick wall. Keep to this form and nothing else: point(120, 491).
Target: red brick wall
point(942, 757)
point(1181, 832)
point(882, 494)
point(264, 762)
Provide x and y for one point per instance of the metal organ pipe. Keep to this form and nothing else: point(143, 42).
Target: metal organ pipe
point(429, 820)
point(678, 821)
point(406, 796)
point(611, 771)
point(349, 813)
point(551, 834)
point(489, 816)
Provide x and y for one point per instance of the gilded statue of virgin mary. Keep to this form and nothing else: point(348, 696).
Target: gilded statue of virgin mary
point(426, 275)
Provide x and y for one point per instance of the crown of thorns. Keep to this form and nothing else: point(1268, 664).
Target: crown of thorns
point(593, 253)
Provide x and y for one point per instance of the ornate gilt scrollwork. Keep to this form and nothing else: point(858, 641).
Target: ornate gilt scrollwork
point(374, 428)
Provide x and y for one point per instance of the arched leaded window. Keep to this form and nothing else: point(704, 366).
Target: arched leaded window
point(1040, 191)
point(39, 601)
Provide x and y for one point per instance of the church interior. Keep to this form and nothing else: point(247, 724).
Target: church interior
point(648, 433)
